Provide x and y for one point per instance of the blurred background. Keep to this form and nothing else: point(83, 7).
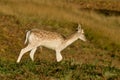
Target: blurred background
point(96, 59)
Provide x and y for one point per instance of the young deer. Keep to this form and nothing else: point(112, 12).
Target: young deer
point(51, 40)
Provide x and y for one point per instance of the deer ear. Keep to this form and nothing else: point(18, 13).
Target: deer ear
point(82, 31)
point(79, 28)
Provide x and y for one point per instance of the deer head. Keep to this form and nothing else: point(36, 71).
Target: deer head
point(81, 33)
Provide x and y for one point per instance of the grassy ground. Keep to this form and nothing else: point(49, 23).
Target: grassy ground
point(96, 59)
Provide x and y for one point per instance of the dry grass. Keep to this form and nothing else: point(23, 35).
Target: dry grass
point(62, 11)
point(101, 52)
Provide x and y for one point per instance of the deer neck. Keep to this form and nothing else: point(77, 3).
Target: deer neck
point(70, 40)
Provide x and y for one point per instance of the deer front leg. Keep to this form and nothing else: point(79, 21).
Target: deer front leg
point(23, 51)
point(32, 53)
point(58, 56)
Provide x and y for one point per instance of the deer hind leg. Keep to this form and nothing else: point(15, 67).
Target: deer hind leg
point(23, 51)
point(32, 53)
point(58, 56)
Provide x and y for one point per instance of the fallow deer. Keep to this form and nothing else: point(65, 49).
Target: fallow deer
point(52, 40)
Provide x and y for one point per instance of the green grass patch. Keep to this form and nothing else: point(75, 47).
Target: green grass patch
point(63, 70)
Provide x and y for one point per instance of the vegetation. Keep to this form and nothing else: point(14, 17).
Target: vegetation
point(96, 59)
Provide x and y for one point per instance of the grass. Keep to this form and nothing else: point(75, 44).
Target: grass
point(96, 59)
point(64, 70)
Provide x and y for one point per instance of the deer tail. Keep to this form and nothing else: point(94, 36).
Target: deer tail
point(27, 36)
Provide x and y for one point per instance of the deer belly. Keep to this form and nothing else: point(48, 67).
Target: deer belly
point(51, 44)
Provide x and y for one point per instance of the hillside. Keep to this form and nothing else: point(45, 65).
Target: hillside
point(96, 59)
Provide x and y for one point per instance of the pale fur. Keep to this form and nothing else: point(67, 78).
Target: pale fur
point(52, 40)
